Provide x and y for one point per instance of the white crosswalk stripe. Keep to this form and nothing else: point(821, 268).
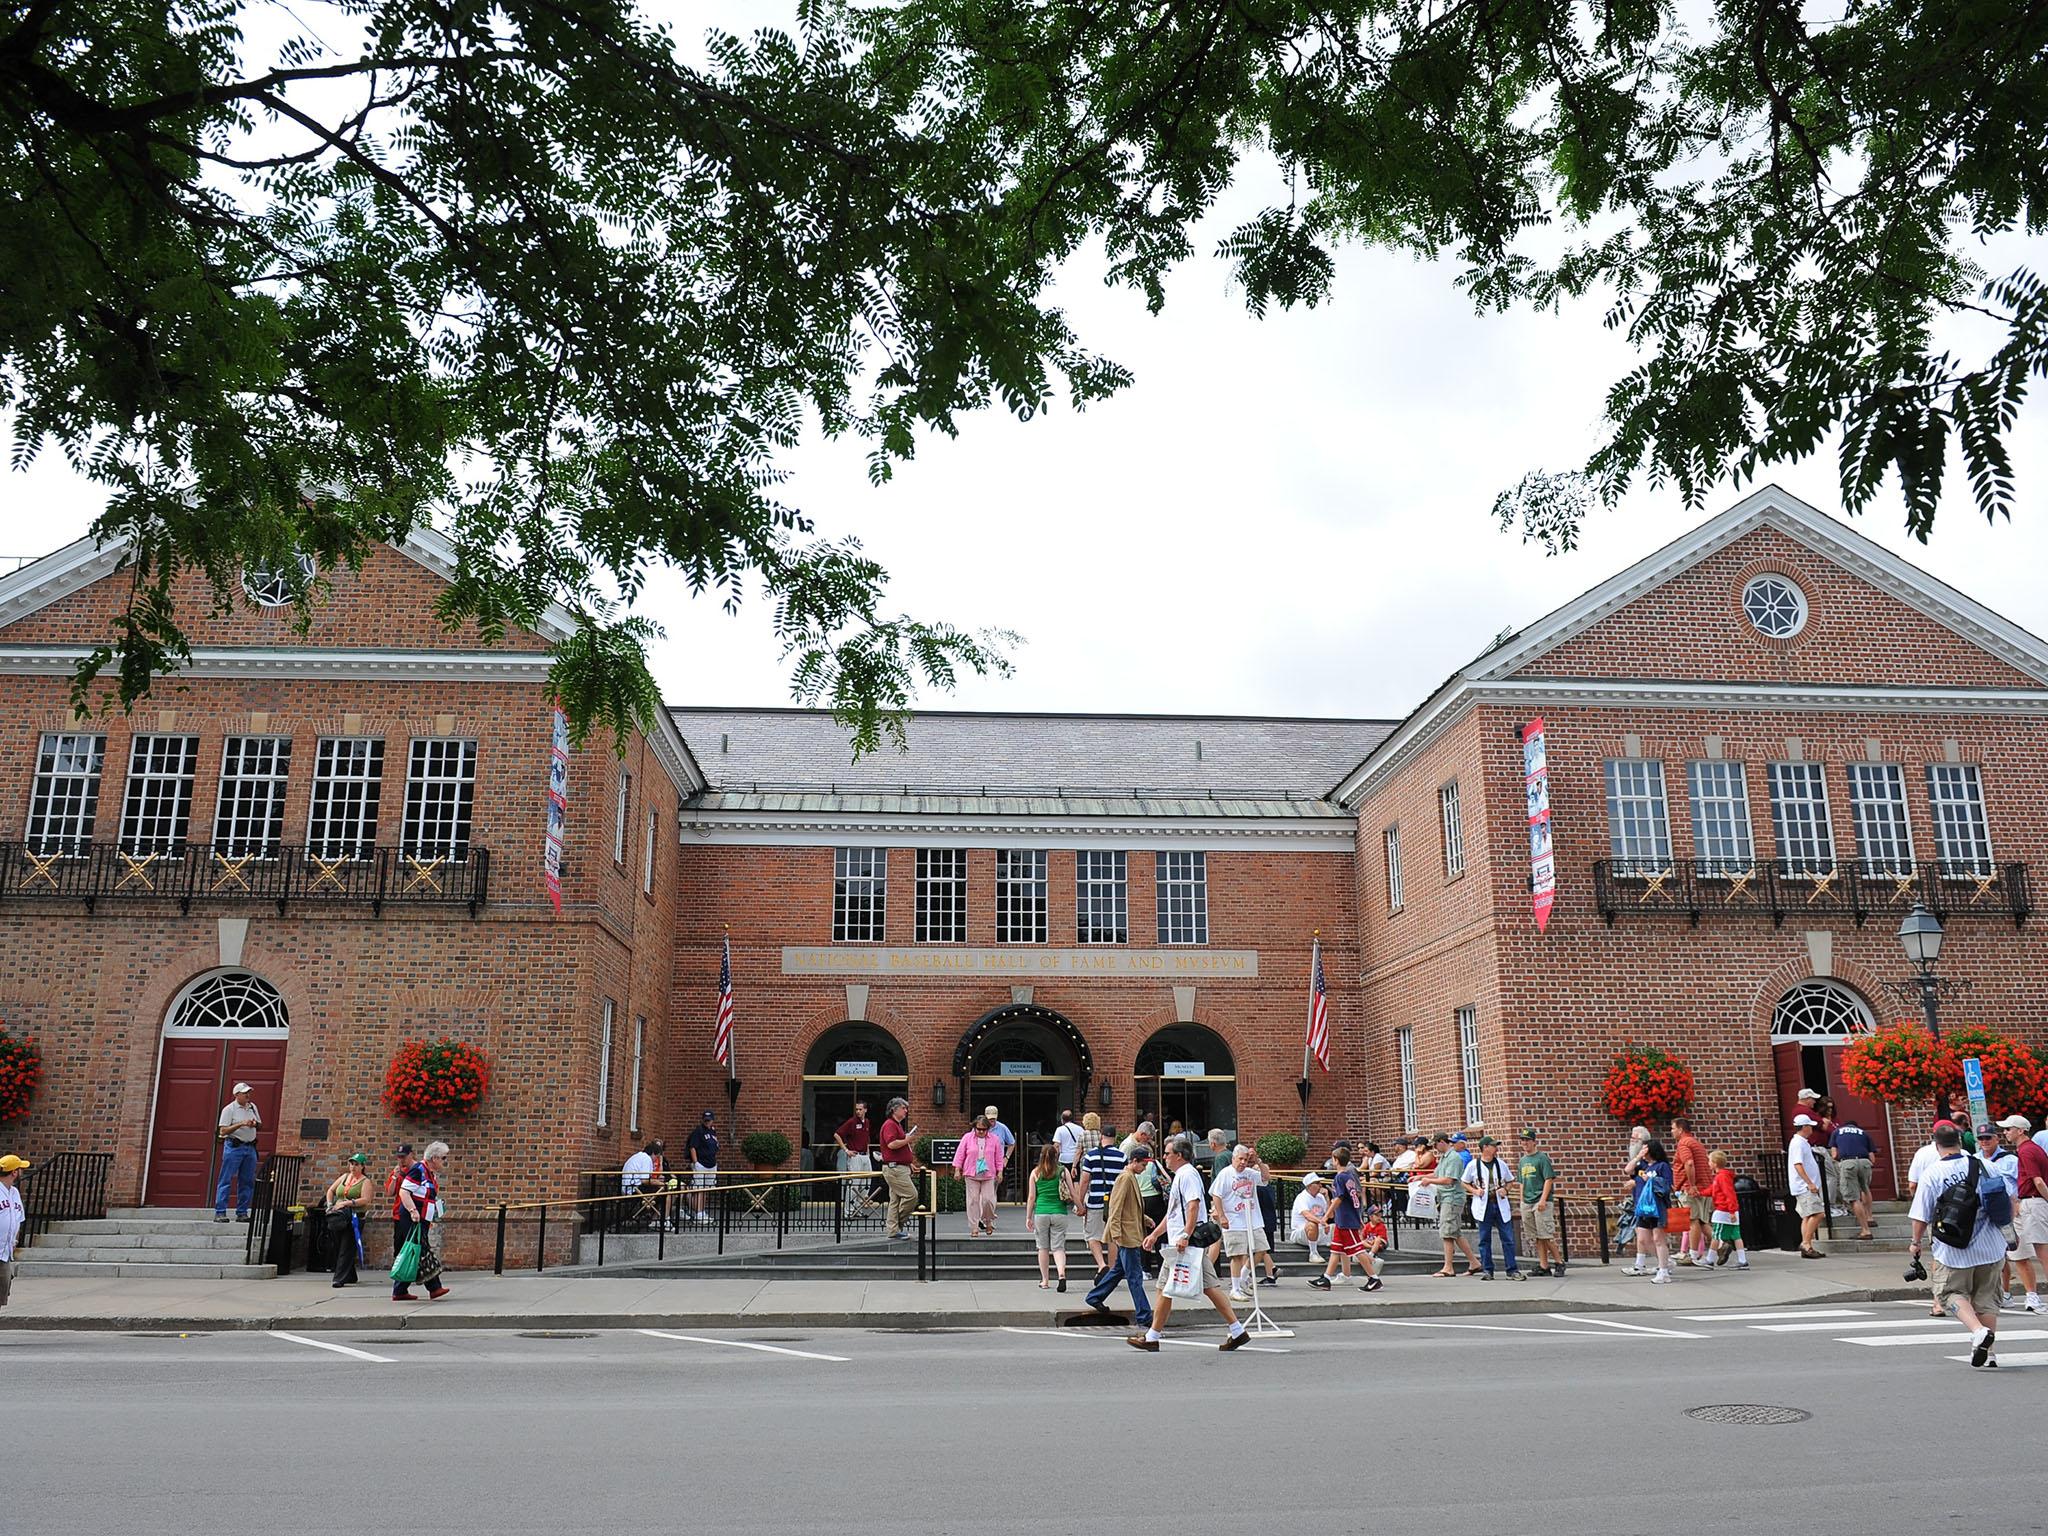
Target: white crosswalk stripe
point(1882, 1340)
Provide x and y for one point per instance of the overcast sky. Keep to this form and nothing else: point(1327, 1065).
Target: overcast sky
point(1281, 516)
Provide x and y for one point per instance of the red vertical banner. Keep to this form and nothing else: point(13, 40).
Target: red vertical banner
point(558, 806)
point(1536, 786)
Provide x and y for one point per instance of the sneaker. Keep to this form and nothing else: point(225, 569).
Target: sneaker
point(1240, 1295)
point(1709, 1262)
point(1062, 1285)
point(1980, 1350)
point(1742, 1261)
point(1373, 1283)
point(1139, 1341)
point(405, 1296)
point(1516, 1274)
point(1319, 1283)
point(1635, 1269)
point(1235, 1341)
point(1684, 1258)
point(220, 1216)
point(1661, 1277)
point(241, 1215)
point(437, 1293)
point(1486, 1274)
point(2033, 1303)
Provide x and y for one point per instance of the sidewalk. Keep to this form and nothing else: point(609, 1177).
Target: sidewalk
point(302, 1302)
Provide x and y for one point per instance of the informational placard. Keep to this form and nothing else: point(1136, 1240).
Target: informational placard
point(1536, 786)
point(558, 808)
point(1184, 1069)
point(1021, 1069)
point(856, 1069)
point(1973, 1085)
point(943, 1148)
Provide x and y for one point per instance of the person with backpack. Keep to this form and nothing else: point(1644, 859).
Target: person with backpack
point(1955, 1211)
point(1650, 1200)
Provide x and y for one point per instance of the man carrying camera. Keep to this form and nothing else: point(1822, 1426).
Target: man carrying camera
point(1188, 1237)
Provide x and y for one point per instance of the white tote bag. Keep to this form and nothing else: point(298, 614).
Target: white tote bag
point(1421, 1199)
point(1181, 1276)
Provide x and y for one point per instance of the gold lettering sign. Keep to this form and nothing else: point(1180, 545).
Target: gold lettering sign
point(832, 960)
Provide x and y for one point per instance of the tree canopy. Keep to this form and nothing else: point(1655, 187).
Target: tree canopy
point(521, 269)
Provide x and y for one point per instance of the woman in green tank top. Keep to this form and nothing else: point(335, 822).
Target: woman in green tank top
point(1051, 1198)
point(347, 1198)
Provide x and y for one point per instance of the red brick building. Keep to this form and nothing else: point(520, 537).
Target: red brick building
point(1764, 743)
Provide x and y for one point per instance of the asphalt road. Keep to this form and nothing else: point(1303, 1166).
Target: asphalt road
point(1527, 1423)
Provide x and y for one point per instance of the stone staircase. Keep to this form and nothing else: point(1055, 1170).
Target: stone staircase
point(155, 1244)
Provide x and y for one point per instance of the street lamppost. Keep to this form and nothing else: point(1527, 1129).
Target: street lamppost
point(1920, 936)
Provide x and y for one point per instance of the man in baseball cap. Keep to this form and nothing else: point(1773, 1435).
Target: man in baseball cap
point(10, 1219)
point(2029, 1171)
point(240, 1123)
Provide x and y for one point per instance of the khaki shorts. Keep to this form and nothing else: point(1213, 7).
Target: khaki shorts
point(1095, 1224)
point(1702, 1209)
point(1852, 1179)
point(1450, 1216)
point(1540, 1225)
point(1975, 1283)
point(1808, 1204)
point(2033, 1222)
point(1051, 1231)
point(1234, 1242)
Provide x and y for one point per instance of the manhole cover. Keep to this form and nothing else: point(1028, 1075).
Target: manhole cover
point(1747, 1413)
point(553, 1333)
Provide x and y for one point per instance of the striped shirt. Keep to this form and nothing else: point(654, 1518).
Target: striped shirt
point(1102, 1164)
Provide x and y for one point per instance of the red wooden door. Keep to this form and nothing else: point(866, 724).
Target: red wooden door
point(260, 1064)
point(1868, 1114)
point(1791, 1071)
point(188, 1101)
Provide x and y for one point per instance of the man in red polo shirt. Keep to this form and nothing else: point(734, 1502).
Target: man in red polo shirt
point(898, 1140)
point(1693, 1175)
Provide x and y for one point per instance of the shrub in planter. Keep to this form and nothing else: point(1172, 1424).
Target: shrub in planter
point(765, 1149)
point(436, 1080)
point(21, 1073)
point(1281, 1149)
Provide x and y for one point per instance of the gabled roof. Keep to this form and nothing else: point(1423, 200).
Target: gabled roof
point(1516, 654)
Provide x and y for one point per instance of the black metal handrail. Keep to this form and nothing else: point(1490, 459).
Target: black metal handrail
point(1858, 889)
point(212, 873)
point(277, 1191)
point(65, 1186)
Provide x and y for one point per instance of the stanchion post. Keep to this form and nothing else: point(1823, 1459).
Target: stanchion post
point(1564, 1234)
point(498, 1261)
point(1600, 1223)
point(540, 1255)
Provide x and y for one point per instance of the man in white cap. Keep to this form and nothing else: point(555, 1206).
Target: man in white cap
point(240, 1122)
point(1311, 1210)
point(2031, 1215)
point(10, 1218)
point(1802, 1178)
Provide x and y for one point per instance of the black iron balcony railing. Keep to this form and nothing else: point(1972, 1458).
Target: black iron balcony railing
point(1858, 889)
point(190, 873)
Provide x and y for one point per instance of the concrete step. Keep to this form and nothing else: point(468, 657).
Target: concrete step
point(161, 1212)
point(109, 1270)
point(120, 1255)
point(113, 1235)
point(191, 1228)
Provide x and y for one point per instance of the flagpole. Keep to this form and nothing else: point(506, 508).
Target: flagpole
point(1314, 956)
point(732, 1071)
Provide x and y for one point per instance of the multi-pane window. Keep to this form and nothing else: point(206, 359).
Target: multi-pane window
point(348, 784)
point(157, 804)
point(941, 896)
point(1181, 885)
point(620, 821)
point(1404, 1038)
point(860, 891)
point(1877, 800)
point(1799, 814)
point(248, 813)
point(647, 853)
point(1962, 837)
point(639, 1048)
point(440, 795)
point(1638, 828)
point(1720, 818)
point(1020, 896)
point(64, 805)
point(1468, 1062)
point(1102, 897)
point(604, 1066)
point(1392, 840)
point(1454, 830)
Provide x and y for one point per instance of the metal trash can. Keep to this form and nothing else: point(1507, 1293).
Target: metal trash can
point(1785, 1223)
point(1753, 1201)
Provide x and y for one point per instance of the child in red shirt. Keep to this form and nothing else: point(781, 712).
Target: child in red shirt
point(1727, 1220)
point(1373, 1235)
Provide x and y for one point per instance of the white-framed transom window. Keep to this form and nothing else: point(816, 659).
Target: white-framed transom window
point(1774, 605)
point(1102, 890)
point(860, 894)
point(1404, 1041)
point(1390, 843)
point(1020, 896)
point(1720, 817)
point(941, 896)
point(348, 787)
point(1638, 824)
point(248, 812)
point(1799, 816)
point(1877, 802)
point(1819, 1010)
point(64, 804)
point(156, 805)
point(1182, 892)
point(1962, 836)
point(1468, 1062)
point(440, 797)
point(1454, 830)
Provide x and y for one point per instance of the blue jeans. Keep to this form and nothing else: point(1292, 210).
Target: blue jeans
point(237, 1163)
point(1126, 1269)
point(1489, 1224)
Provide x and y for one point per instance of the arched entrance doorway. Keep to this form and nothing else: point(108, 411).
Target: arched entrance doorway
point(1030, 1063)
point(1186, 1073)
point(222, 1028)
point(850, 1061)
point(1809, 1024)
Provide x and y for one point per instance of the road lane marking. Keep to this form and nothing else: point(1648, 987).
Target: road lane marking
point(1875, 1322)
point(339, 1349)
point(1764, 1317)
point(2024, 1358)
point(766, 1349)
point(1098, 1335)
point(1601, 1322)
point(1878, 1341)
point(1398, 1322)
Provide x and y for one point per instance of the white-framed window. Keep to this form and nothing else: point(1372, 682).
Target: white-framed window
point(647, 853)
point(348, 785)
point(639, 1050)
point(1638, 825)
point(1775, 605)
point(1468, 1062)
point(1720, 817)
point(1181, 890)
point(860, 894)
point(1877, 803)
point(156, 805)
point(440, 797)
point(1454, 830)
point(248, 813)
point(1020, 896)
point(604, 1066)
point(941, 896)
point(64, 803)
point(1391, 843)
point(1799, 815)
point(1962, 836)
point(1404, 1041)
point(620, 810)
point(1102, 897)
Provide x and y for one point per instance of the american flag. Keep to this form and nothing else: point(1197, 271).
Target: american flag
point(1318, 1009)
point(721, 1039)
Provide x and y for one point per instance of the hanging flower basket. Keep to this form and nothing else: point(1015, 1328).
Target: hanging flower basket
point(1646, 1084)
point(2012, 1073)
point(430, 1081)
point(21, 1073)
point(1898, 1064)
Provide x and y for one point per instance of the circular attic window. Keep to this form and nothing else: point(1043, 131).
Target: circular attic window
point(273, 589)
point(1775, 605)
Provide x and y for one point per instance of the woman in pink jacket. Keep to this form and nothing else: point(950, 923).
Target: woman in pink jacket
point(979, 1161)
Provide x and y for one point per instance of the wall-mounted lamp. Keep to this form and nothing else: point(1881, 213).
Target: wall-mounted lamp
point(938, 1095)
point(1102, 1097)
